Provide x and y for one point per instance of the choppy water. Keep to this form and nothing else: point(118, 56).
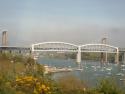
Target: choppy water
point(92, 72)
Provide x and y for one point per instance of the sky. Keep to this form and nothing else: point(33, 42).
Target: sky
point(74, 21)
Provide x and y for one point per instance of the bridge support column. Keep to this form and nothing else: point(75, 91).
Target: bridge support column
point(117, 56)
point(102, 57)
point(123, 58)
point(19, 52)
point(32, 51)
point(79, 56)
point(106, 57)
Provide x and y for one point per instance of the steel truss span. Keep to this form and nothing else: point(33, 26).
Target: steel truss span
point(55, 46)
point(99, 48)
point(68, 47)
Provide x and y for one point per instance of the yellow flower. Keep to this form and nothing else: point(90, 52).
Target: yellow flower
point(48, 88)
point(29, 81)
point(35, 91)
point(43, 86)
point(18, 79)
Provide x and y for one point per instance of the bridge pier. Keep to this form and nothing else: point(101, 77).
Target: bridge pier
point(117, 56)
point(78, 56)
point(123, 57)
point(104, 57)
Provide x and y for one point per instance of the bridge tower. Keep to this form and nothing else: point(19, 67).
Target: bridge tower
point(79, 55)
point(104, 56)
point(4, 38)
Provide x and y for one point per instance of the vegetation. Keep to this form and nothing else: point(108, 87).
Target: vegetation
point(108, 86)
point(71, 85)
point(22, 75)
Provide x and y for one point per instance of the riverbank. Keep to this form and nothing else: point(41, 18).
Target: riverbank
point(50, 69)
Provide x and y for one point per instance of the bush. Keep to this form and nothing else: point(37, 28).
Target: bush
point(31, 85)
point(108, 86)
point(71, 85)
point(5, 85)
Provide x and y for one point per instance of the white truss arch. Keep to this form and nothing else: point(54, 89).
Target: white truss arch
point(55, 46)
point(99, 48)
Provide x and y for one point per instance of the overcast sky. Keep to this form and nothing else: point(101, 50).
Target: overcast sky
point(75, 21)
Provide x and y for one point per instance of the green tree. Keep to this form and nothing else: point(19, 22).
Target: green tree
point(29, 65)
point(40, 69)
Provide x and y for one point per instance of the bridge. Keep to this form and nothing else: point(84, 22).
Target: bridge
point(121, 49)
point(66, 47)
point(15, 49)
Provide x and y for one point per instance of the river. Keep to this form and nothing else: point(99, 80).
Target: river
point(92, 71)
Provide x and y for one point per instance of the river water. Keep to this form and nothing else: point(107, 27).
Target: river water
point(92, 72)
